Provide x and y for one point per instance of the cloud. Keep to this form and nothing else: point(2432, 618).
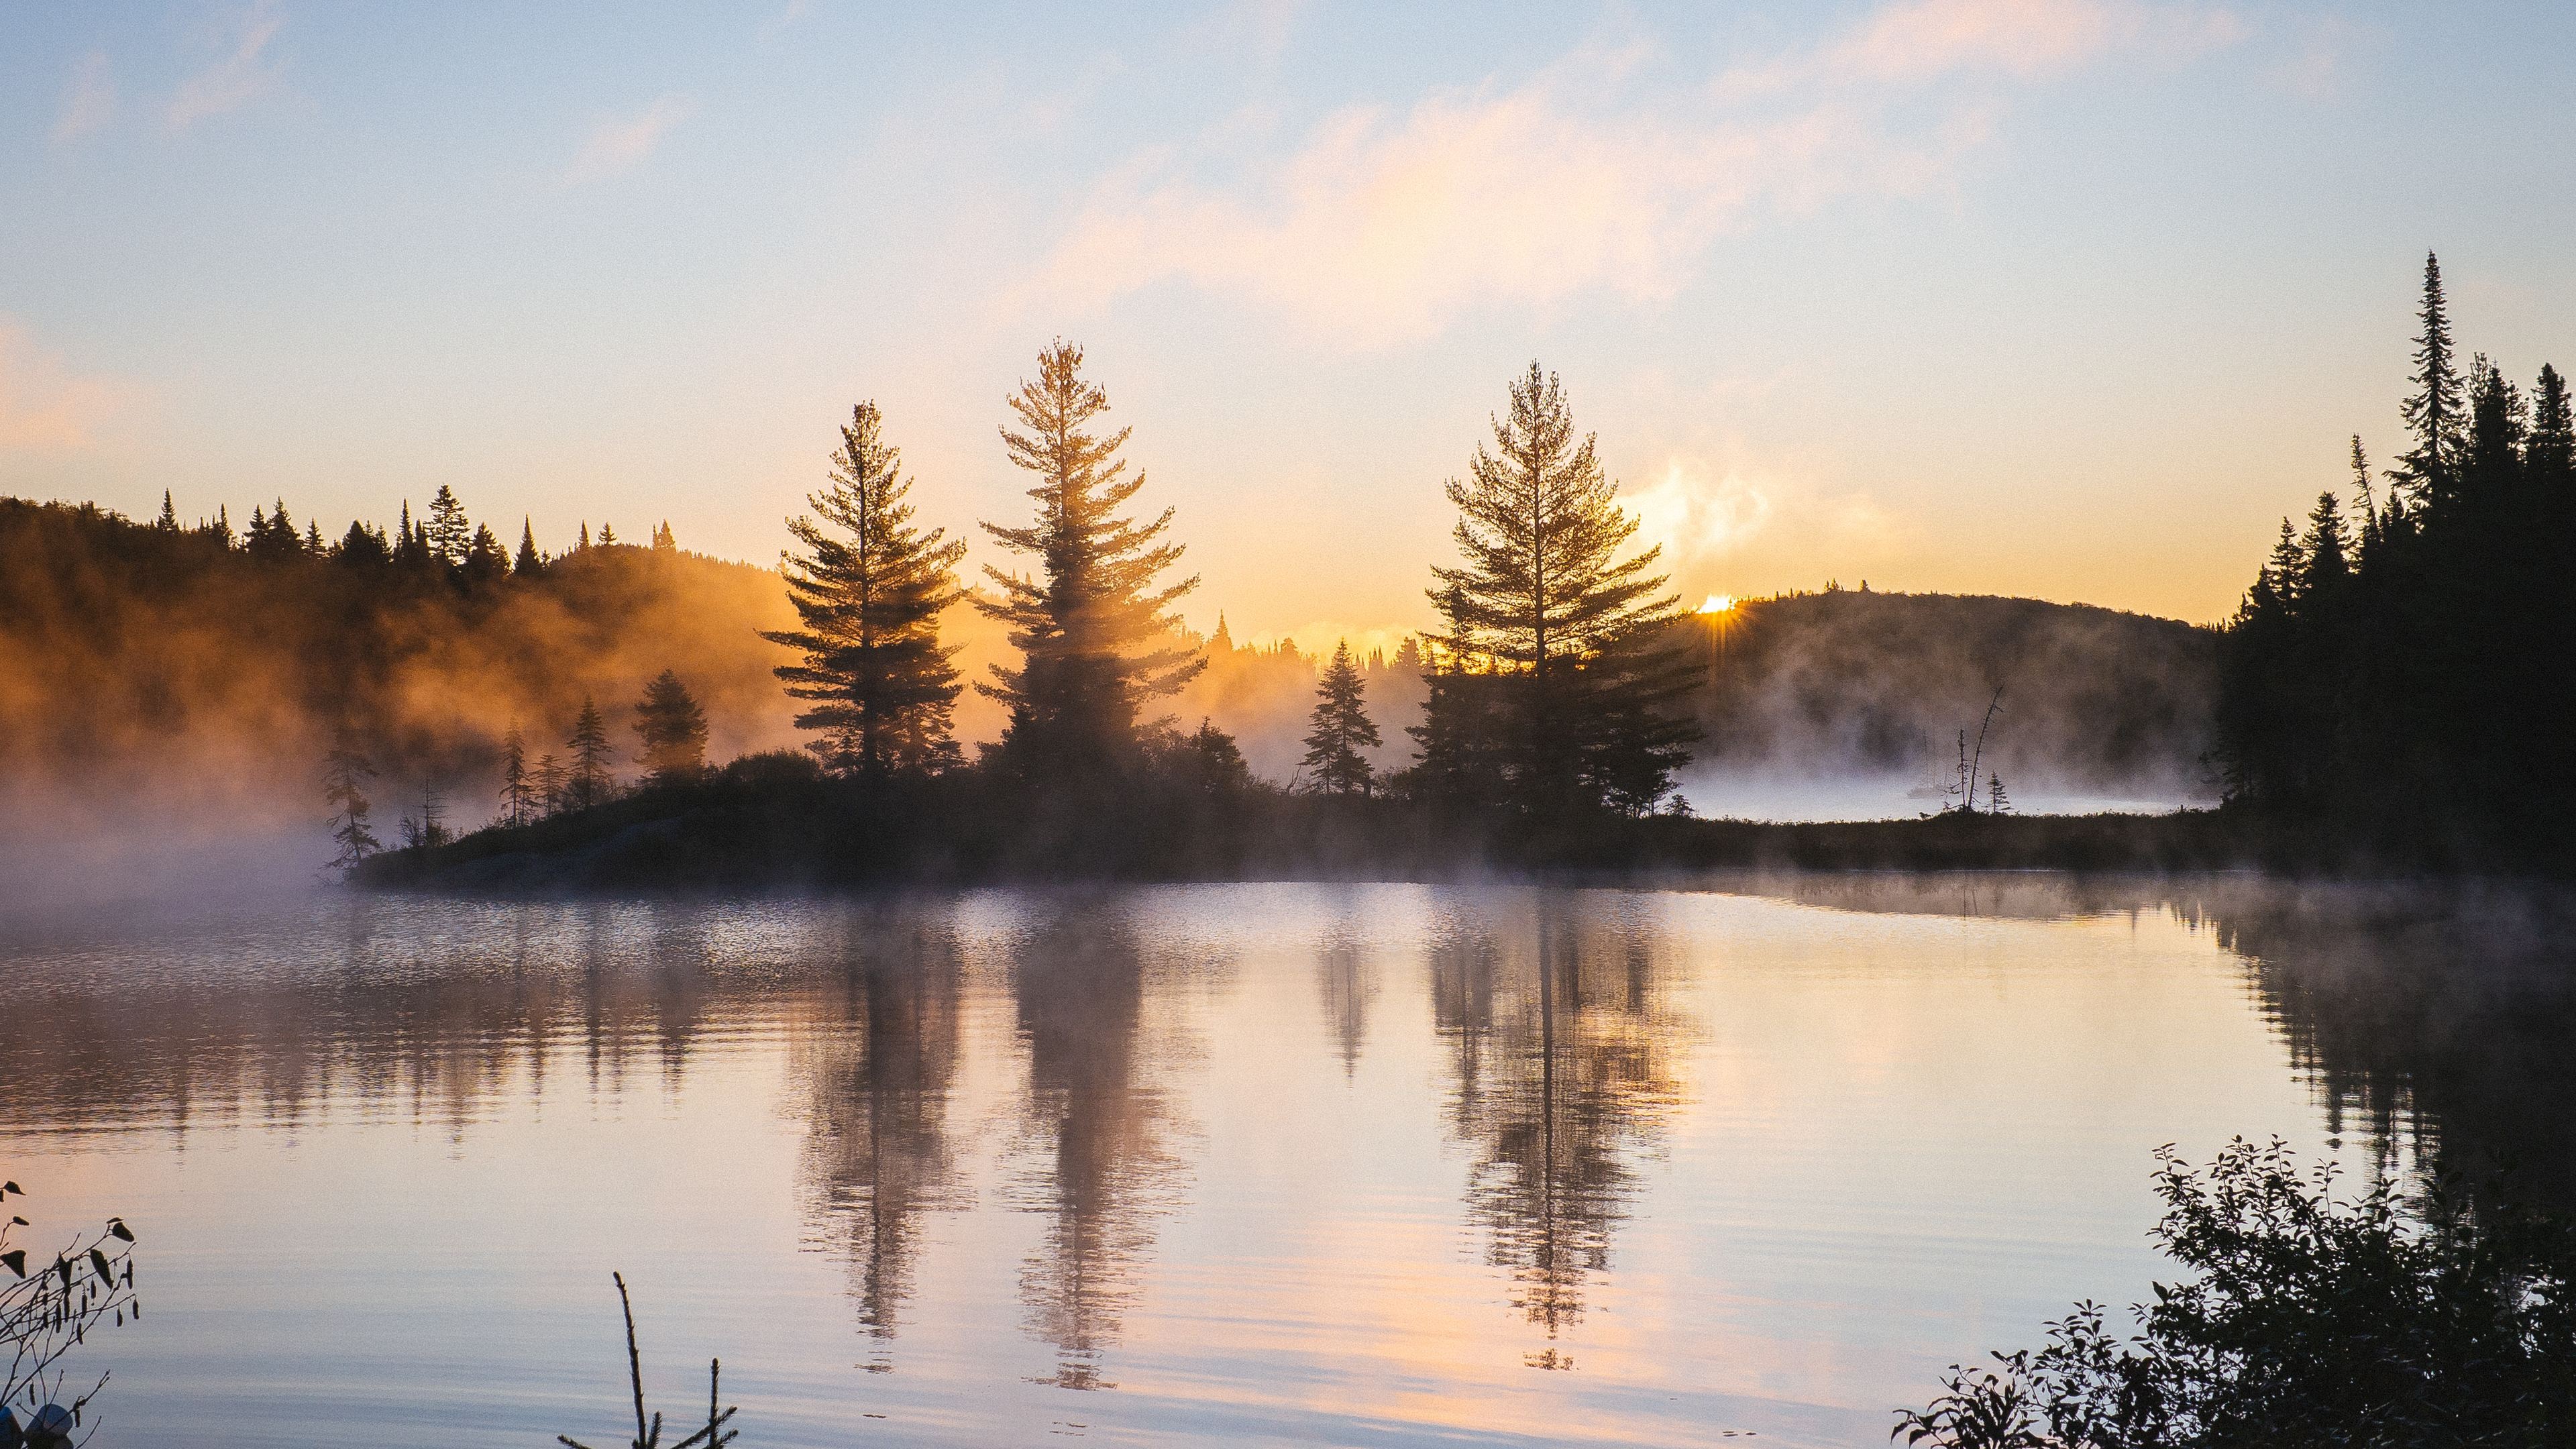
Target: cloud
point(1918, 41)
point(1698, 520)
point(44, 409)
point(1383, 226)
point(239, 78)
point(89, 101)
point(617, 146)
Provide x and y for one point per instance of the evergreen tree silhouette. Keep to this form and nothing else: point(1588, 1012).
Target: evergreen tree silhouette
point(586, 782)
point(1094, 629)
point(363, 547)
point(2432, 413)
point(607, 535)
point(673, 729)
point(1572, 640)
point(869, 587)
point(345, 773)
point(1340, 729)
point(518, 795)
point(486, 561)
point(549, 784)
point(2325, 560)
point(529, 563)
point(168, 522)
point(448, 533)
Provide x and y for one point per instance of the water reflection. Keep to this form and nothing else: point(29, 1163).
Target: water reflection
point(876, 1064)
point(1564, 1066)
point(2436, 1022)
point(987, 1108)
point(1098, 1118)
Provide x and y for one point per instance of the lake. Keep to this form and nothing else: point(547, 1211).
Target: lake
point(1226, 1164)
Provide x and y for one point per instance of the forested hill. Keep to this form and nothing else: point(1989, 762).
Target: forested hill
point(1849, 683)
point(206, 674)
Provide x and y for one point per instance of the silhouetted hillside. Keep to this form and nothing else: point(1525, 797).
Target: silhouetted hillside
point(1847, 685)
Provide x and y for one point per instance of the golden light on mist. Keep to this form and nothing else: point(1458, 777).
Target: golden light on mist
point(1718, 604)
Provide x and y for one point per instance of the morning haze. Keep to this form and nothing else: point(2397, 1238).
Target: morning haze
point(1274, 723)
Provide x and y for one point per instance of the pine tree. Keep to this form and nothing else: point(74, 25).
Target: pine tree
point(2366, 541)
point(411, 545)
point(529, 563)
point(663, 541)
point(1095, 632)
point(168, 522)
point(673, 729)
point(2550, 451)
point(869, 588)
point(345, 773)
point(607, 535)
point(485, 560)
point(518, 796)
point(448, 533)
point(2433, 414)
point(550, 783)
point(1340, 729)
point(363, 547)
point(1997, 801)
point(313, 545)
point(587, 783)
point(1579, 638)
point(2326, 558)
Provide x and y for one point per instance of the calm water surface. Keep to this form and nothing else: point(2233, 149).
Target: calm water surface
point(1365, 1165)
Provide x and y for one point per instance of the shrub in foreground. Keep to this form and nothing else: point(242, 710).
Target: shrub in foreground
point(2381, 1320)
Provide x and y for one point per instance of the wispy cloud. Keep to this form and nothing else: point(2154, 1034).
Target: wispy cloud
point(89, 100)
point(617, 145)
point(1913, 42)
point(44, 408)
point(241, 76)
point(1383, 226)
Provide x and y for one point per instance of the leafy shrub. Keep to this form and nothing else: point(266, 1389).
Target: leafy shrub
point(2444, 1319)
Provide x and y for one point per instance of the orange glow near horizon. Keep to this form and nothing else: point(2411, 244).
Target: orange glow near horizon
point(1718, 604)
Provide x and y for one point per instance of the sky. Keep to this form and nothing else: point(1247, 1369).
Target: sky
point(2070, 299)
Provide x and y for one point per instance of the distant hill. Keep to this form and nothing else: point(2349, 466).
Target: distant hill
point(1852, 686)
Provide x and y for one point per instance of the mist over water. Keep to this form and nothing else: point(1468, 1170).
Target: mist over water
point(1252, 1164)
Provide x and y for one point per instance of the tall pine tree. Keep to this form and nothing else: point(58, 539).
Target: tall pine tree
point(1340, 729)
point(2434, 413)
point(1094, 627)
point(587, 782)
point(1551, 635)
point(869, 587)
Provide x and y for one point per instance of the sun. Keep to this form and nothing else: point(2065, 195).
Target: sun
point(1718, 604)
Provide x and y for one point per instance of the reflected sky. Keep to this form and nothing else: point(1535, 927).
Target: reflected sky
point(1256, 1164)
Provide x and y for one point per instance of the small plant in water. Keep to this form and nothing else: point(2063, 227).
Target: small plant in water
point(2438, 1320)
point(48, 1312)
point(648, 1433)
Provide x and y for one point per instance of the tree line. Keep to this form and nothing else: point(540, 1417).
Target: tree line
point(2401, 664)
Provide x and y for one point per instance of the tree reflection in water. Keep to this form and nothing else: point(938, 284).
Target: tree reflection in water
point(2441, 1022)
point(1563, 1055)
point(876, 1067)
point(1100, 1125)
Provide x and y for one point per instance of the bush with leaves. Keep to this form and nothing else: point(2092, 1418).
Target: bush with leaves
point(47, 1312)
point(2446, 1318)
